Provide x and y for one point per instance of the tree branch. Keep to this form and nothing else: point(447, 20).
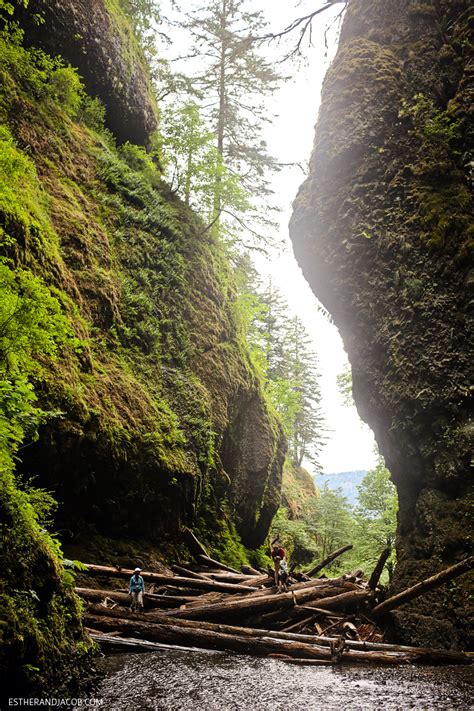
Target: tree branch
point(303, 24)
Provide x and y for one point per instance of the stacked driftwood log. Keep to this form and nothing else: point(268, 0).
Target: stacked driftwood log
point(209, 605)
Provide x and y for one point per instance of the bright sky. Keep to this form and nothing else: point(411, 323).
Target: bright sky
point(350, 443)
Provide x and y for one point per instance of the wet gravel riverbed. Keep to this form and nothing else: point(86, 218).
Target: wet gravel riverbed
point(217, 681)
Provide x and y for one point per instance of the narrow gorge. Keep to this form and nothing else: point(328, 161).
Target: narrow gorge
point(132, 407)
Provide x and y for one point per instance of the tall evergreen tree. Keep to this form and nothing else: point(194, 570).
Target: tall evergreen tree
point(233, 78)
point(289, 365)
point(307, 426)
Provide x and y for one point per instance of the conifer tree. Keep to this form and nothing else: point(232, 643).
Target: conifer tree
point(307, 425)
point(233, 78)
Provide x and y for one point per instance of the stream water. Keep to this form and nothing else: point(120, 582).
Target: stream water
point(198, 680)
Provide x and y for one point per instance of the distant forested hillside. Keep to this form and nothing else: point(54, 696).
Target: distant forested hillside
point(346, 481)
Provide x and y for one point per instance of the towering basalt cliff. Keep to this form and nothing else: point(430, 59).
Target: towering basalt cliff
point(161, 390)
point(153, 416)
point(95, 37)
point(381, 229)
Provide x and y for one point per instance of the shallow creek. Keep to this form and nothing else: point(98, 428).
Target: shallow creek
point(177, 679)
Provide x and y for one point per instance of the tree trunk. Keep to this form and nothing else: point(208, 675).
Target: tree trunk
point(155, 617)
point(211, 563)
point(122, 598)
point(344, 601)
point(425, 586)
point(195, 547)
point(174, 581)
point(200, 637)
point(268, 603)
point(185, 572)
point(375, 577)
point(328, 559)
point(262, 646)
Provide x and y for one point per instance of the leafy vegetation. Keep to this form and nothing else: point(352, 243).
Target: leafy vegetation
point(312, 523)
point(97, 327)
point(281, 352)
point(39, 623)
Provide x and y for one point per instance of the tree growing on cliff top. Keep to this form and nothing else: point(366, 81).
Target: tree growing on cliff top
point(232, 77)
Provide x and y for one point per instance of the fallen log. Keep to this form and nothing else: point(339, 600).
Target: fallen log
point(295, 626)
point(234, 578)
point(377, 572)
point(194, 545)
point(344, 581)
point(424, 586)
point(344, 601)
point(320, 611)
point(425, 654)
point(329, 559)
point(294, 660)
point(262, 646)
point(122, 598)
point(174, 581)
point(251, 604)
point(108, 641)
point(250, 571)
point(187, 573)
point(211, 563)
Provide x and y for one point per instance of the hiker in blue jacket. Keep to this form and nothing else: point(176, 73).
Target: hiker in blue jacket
point(136, 588)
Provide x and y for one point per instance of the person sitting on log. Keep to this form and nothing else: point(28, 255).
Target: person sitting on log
point(136, 588)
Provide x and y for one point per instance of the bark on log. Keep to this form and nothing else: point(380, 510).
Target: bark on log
point(425, 654)
point(328, 560)
point(424, 586)
point(122, 598)
point(262, 646)
point(174, 581)
point(252, 605)
point(195, 547)
point(211, 563)
point(377, 572)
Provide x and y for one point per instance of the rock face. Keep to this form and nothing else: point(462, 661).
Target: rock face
point(137, 404)
point(162, 420)
point(381, 229)
point(95, 37)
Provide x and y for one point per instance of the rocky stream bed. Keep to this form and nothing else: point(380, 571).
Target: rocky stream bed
point(178, 679)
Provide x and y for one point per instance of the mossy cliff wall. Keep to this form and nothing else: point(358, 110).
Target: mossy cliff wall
point(381, 229)
point(154, 415)
point(95, 37)
point(163, 390)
